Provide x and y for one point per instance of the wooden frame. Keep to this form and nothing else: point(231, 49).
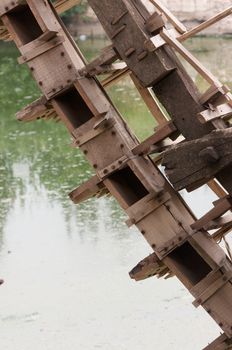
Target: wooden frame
point(124, 171)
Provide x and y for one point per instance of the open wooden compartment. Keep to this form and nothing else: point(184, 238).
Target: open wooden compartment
point(190, 264)
point(23, 24)
point(126, 187)
point(72, 109)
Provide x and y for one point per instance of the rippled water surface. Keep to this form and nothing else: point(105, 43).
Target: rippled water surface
point(66, 267)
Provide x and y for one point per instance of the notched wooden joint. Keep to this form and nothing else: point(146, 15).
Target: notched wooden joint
point(94, 187)
point(113, 167)
point(39, 109)
point(93, 128)
point(155, 23)
point(212, 113)
point(144, 207)
point(220, 208)
point(212, 289)
point(149, 267)
point(102, 64)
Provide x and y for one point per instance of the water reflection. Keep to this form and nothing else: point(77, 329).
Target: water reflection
point(66, 266)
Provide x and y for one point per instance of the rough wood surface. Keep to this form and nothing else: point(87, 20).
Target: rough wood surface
point(149, 267)
point(199, 160)
point(84, 107)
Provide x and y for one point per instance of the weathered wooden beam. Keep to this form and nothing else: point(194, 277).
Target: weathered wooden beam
point(217, 188)
point(161, 133)
point(221, 207)
point(115, 77)
point(65, 5)
point(214, 95)
point(189, 34)
point(147, 205)
point(172, 19)
point(126, 29)
point(217, 112)
point(6, 5)
point(207, 75)
point(150, 101)
point(155, 23)
point(38, 109)
point(223, 222)
point(212, 289)
point(101, 64)
point(222, 232)
point(200, 160)
point(94, 187)
point(149, 267)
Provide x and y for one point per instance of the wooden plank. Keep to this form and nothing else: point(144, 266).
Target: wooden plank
point(222, 232)
point(209, 155)
point(7, 5)
point(208, 76)
point(115, 77)
point(147, 173)
point(172, 19)
point(125, 26)
point(91, 188)
point(227, 12)
point(97, 66)
point(60, 6)
point(113, 167)
point(212, 289)
point(38, 109)
point(65, 5)
point(170, 245)
point(149, 267)
point(222, 111)
point(144, 207)
point(221, 222)
point(97, 127)
point(161, 133)
point(217, 188)
point(155, 23)
point(40, 49)
point(150, 101)
point(221, 208)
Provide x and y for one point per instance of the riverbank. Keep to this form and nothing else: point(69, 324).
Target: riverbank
point(191, 13)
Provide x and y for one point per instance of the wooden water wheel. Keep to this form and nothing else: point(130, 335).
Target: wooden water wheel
point(193, 139)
